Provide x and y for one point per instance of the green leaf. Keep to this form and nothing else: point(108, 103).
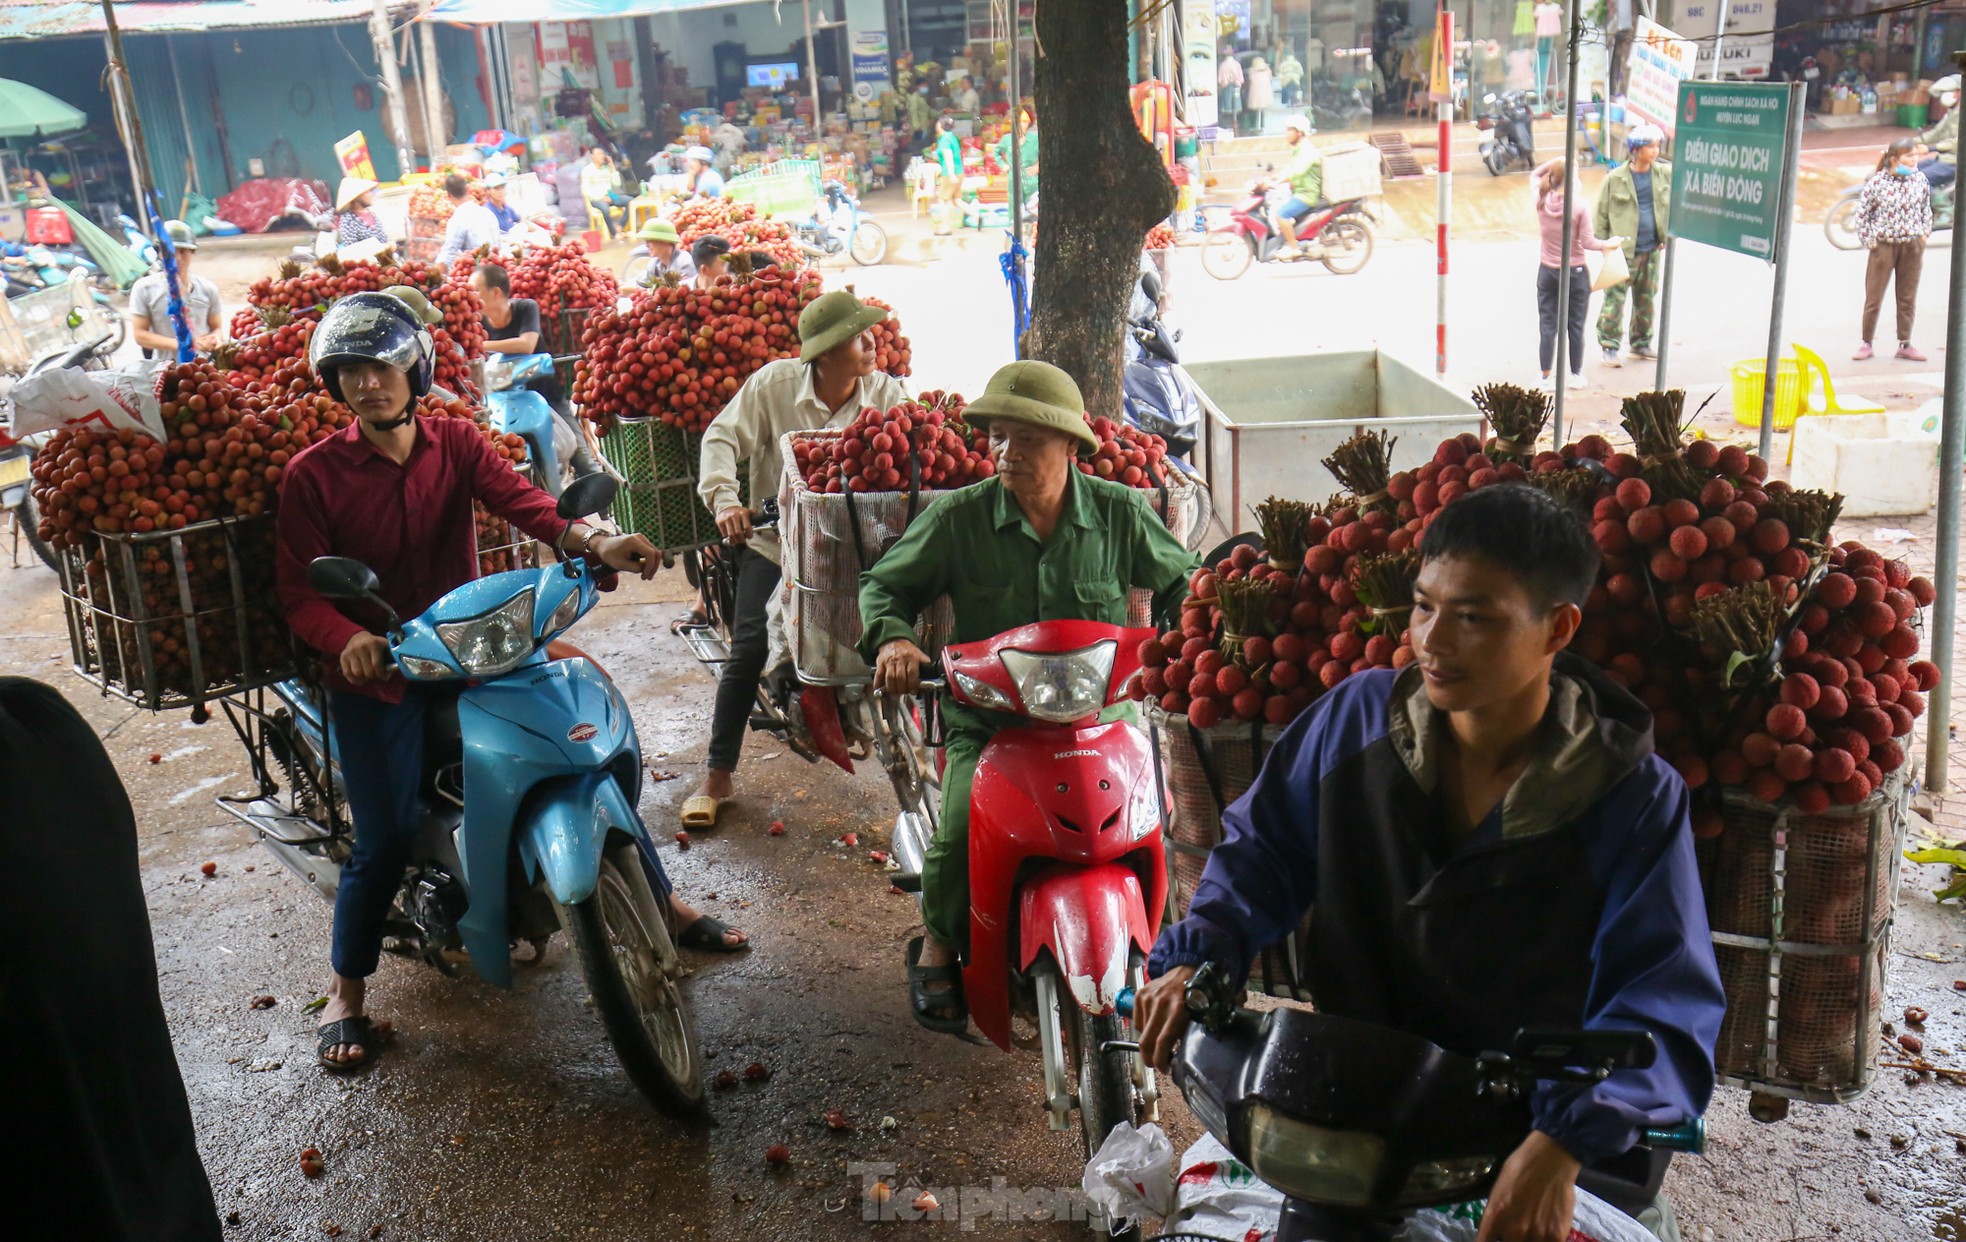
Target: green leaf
point(1951, 856)
point(316, 1005)
point(1948, 894)
point(1734, 663)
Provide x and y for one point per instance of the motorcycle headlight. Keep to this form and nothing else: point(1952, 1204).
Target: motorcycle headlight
point(563, 616)
point(422, 669)
point(983, 694)
point(492, 642)
point(1064, 686)
point(1311, 1162)
point(1441, 1180)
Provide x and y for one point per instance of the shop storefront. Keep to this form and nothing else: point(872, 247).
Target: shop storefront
point(1347, 64)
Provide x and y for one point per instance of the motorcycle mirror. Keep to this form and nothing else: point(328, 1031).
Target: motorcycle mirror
point(1178, 332)
point(1489, 98)
point(587, 495)
point(341, 577)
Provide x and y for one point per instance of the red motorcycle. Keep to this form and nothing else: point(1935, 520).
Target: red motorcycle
point(1067, 871)
point(1339, 234)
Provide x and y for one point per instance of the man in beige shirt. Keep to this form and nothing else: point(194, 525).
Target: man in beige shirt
point(827, 385)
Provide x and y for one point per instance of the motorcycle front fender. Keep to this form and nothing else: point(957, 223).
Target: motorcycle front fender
point(1090, 919)
point(524, 413)
point(566, 830)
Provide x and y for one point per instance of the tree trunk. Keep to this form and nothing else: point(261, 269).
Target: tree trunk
point(1104, 187)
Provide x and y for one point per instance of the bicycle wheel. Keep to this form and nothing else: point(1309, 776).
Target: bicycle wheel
point(869, 243)
point(1225, 254)
point(637, 271)
point(1840, 225)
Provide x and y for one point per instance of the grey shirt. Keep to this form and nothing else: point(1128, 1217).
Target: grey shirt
point(150, 304)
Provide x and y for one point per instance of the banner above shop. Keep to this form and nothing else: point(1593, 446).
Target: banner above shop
point(498, 12)
point(1660, 61)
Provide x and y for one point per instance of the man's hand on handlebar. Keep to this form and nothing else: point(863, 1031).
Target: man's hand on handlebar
point(1160, 1015)
point(734, 524)
point(365, 658)
point(633, 553)
point(898, 667)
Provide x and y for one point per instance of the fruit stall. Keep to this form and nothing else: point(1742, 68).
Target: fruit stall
point(163, 521)
point(1781, 669)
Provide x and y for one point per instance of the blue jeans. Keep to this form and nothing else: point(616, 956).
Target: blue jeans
point(1938, 172)
point(1295, 209)
point(380, 748)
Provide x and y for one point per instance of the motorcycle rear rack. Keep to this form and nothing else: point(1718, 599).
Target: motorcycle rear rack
point(255, 725)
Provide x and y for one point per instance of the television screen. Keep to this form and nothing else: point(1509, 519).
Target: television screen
point(773, 75)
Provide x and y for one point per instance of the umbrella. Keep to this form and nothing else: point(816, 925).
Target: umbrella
point(28, 110)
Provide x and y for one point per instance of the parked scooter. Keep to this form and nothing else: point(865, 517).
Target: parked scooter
point(17, 456)
point(1361, 1126)
point(837, 226)
point(556, 449)
point(1158, 397)
point(1339, 234)
point(1840, 225)
point(1511, 141)
point(529, 798)
point(1067, 871)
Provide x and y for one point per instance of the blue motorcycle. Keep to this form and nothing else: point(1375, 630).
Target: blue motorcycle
point(552, 442)
point(837, 226)
point(529, 796)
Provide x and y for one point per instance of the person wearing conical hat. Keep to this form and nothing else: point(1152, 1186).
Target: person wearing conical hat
point(354, 203)
point(1038, 541)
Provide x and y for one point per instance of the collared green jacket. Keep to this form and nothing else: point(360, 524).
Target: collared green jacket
point(1617, 205)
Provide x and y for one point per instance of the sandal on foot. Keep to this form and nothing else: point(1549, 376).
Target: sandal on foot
point(358, 1031)
point(706, 935)
point(700, 812)
point(931, 1009)
point(694, 619)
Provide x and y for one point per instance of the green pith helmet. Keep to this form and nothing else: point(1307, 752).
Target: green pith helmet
point(832, 320)
point(659, 229)
point(415, 299)
point(182, 238)
point(1036, 393)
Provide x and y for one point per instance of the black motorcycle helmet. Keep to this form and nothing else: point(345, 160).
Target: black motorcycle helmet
point(372, 327)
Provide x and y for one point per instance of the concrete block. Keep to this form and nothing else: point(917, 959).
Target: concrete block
point(1883, 464)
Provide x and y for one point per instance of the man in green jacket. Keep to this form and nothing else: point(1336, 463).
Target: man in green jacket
point(1041, 541)
point(1633, 205)
point(1028, 178)
point(1943, 138)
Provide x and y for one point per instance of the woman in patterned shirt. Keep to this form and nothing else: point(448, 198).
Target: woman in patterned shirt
point(354, 221)
point(1894, 216)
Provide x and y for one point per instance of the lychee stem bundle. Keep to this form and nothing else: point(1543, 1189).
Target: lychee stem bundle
point(1517, 417)
point(1364, 464)
point(1384, 584)
point(1653, 420)
point(1285, 527)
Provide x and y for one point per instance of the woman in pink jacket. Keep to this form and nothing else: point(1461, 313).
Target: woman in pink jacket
point(1548, 183)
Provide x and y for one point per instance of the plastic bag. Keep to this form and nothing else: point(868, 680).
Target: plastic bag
point(70, 397)
point(1593, 1221)
point(1217, 1196)
point(1612, 270)
point(1131, 1174)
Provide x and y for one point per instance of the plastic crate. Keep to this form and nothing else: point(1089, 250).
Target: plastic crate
point(783, 187)
point(1800, 908)
point(1749, 379)
point(173, 619)
point(658, 466)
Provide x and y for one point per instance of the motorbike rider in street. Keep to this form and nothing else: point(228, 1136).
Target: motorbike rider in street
point(394, 491)
point(831, 381)
point(1040, 541)
point(1943, 138)
point(1487, 842)
point(1305, 173)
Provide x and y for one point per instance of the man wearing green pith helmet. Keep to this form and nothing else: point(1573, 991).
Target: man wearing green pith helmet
point(1040, 541)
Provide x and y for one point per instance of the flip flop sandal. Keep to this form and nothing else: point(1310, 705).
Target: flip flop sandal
point(700, 812)
point(925, 1003)
point(694, 619)
point(357, 1030)
point(706, 935)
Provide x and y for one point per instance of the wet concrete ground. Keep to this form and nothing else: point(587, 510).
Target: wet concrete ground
point(504, 1114)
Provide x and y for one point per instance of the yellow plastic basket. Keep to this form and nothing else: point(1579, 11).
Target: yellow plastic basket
point(1789, 388)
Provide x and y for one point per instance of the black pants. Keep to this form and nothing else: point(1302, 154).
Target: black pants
point(737, 688)
point(1580, 304)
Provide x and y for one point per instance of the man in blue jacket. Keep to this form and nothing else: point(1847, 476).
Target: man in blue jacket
point(1486, 841)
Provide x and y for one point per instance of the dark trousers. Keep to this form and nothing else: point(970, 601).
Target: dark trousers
point(1938, 172)
point(1580, 302)
point(380, 749)
point(1904, 260)
point(737, 687)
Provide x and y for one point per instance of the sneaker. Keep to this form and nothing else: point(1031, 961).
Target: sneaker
point(1545, 381)
point(1906, 352)
point(1644, 351)
point(1864, 351)
point(1611, 358)
point(1577, 380)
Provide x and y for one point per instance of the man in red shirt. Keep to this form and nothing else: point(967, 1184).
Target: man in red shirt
point(395, 492)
